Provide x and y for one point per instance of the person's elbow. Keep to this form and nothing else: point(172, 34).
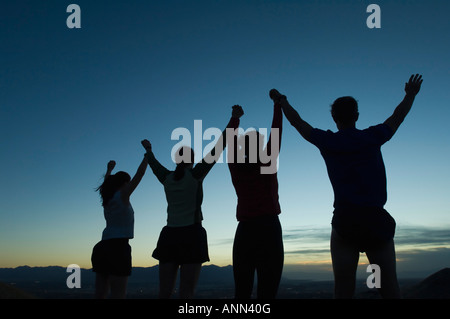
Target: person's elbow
point(304, 129)
point(393, 123)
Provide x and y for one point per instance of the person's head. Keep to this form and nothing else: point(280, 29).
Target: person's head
point(111, 185)
point(344, 111)
point(184, 158)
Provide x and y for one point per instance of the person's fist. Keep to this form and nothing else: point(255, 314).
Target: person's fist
point(237, 111)
point(111, 165)
point(146, 144)
point(274, 94)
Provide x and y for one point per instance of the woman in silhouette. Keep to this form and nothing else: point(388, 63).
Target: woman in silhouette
point(182, 243)
point(258, 244)
point(111, 257)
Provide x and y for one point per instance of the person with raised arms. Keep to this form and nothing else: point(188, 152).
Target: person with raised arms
point(358, 177)
point(182, 243)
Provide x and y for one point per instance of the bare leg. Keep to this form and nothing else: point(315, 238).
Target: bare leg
point(101, 286)
point(167, 279)
point(385, 259)
point(345, 262)
point(189, 274)
point(118, 286)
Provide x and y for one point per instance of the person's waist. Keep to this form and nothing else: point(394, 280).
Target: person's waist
point(117, 240)
point(258, 217)
point(188, 225)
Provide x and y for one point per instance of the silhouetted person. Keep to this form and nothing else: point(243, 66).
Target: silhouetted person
point(357, 173)
point(111, 257)
point(258, 243)
point(183, 241)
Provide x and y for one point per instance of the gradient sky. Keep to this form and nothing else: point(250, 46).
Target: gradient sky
point(73, 99)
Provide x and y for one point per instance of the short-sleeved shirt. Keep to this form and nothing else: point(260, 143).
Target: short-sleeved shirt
point(119, 218)
point(355, 164)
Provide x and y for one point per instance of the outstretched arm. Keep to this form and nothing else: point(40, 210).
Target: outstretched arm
point(131, 186)
point(292, 115)
point(277, 124)
point(202, 169)
point(412, 87)
point(109, 168)
point(160, 171)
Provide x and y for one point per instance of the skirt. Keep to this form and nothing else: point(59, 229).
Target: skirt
point(182, 245)
point(367, 228)
point(112, 257)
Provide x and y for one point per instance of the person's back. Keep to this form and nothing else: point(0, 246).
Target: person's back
point(356, 170)
point(184, 199)
point(355, 164)
point(119, 218)
point(257, 193)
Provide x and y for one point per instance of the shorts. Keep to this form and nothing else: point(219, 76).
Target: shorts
point(182, 245)
point(367, 228)
point(112, 257)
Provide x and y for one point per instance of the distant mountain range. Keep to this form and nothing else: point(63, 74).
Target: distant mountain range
point(214, 282)
point(210, 275)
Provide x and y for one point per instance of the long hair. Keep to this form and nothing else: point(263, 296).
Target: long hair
point(184, 157)
point(111, 185)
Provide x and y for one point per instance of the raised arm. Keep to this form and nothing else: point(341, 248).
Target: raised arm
point(291, 114)
point(412, 87)
point(160, 171)
point(202, 169)
point(131, 186)
point(277, 124)
point(109, 168)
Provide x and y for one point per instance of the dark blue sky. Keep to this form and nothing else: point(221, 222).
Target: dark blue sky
point(72, 99)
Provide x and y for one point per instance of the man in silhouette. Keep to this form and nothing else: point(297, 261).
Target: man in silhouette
point(357, 173)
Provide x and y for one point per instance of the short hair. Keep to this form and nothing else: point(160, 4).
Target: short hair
point(345, 110)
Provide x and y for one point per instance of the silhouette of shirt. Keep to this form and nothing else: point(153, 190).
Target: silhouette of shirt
point(184, 196)
point(119, 219)
point(355, 164)
point(257, 193)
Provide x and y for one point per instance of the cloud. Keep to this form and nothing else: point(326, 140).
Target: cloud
point(307, 233)
point(307, 251)
point(420, 250)
point(417, 236)
point(423, 236)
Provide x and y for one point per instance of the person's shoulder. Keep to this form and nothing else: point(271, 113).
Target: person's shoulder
point(379, 128)
point(319, 137)
point(380, 131)
point(317, 132)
